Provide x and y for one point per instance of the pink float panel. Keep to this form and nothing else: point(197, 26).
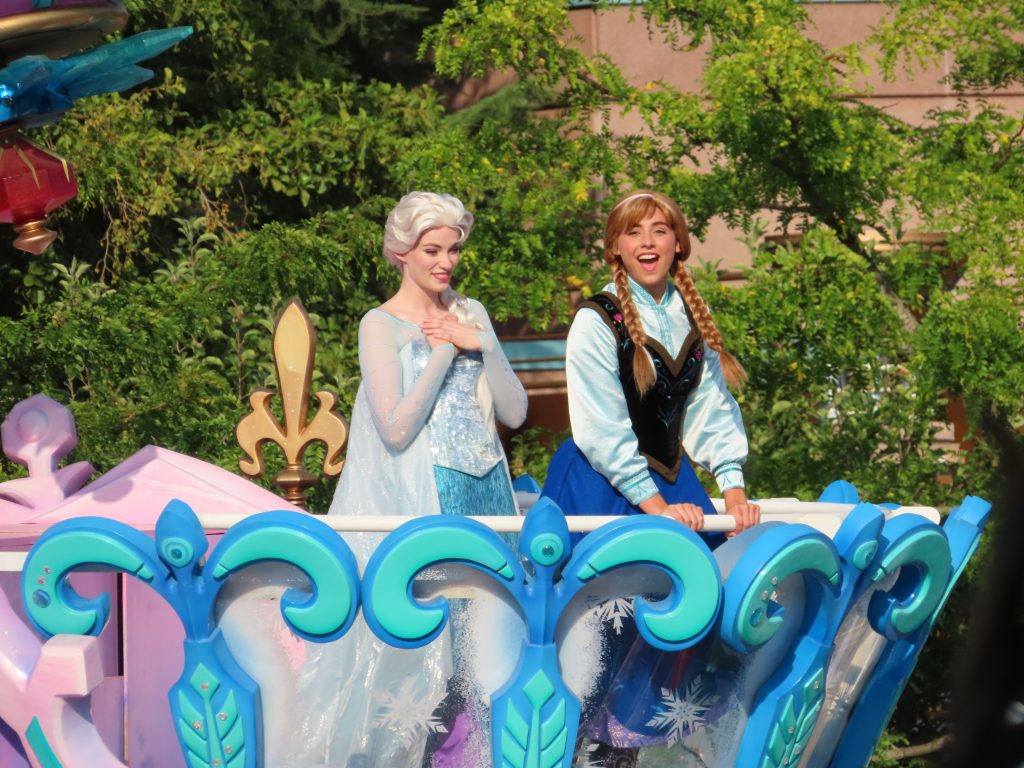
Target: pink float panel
point(153, 659)
point(40, 680)
point(129, 668)
point(137, 490)
point(21, 648)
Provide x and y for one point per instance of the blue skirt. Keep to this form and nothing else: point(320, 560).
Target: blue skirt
point(579, 489)
point(634, 672)
point(459, 493)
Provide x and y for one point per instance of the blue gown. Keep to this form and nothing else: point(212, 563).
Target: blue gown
point(422, 441)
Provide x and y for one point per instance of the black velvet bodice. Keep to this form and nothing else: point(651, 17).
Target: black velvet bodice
point(657, 417)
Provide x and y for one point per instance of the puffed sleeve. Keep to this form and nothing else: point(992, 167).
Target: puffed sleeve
point(712, 432)
point(509, 396)
point(597, 408)
point(398, 417)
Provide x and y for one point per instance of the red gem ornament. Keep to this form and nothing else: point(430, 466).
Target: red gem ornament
point(32, 183)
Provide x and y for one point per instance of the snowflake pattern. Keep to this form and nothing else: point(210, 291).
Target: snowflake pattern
point(683, 712)
point(615, 610)
point(407, 715)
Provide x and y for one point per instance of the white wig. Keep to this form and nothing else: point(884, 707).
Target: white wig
point(418, 212)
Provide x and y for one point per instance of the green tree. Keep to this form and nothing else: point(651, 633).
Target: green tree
point(245, 174)
point(260, 162)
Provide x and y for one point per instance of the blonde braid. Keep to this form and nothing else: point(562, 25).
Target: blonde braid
point(735, 376)
point(643, 369)
point(458, 305)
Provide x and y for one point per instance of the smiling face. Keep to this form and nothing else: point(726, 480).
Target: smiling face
point(431, 262)
point(647, 233)
point(648, 250)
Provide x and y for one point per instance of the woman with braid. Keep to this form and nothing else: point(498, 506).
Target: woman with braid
point(647, 375)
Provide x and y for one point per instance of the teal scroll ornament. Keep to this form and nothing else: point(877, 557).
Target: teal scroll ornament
point(215, 705)
point(535, 717)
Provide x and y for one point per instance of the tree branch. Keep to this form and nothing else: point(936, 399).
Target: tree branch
point(1010, 150)
point(917, 750)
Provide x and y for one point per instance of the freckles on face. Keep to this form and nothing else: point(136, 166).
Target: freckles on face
point(431, 262)
point(648, 251)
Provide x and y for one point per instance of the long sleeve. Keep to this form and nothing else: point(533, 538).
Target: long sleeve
point(598, 411)
point(712, 432)
point(509, 396)
point(397, 417)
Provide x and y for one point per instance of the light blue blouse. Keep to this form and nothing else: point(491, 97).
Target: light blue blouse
point(712, 431)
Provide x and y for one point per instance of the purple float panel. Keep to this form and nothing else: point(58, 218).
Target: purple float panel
point(153, 661)
point(21, 650)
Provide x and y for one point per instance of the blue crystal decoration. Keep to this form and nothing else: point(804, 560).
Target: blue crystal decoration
point(36, 90)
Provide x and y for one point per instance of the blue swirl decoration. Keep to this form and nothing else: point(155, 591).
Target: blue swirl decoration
point(215, 704)
point(787, 706)
point(928, 568)
point(535, 717)
point(866, 550)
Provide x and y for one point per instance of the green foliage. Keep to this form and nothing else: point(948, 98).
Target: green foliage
point(891, 741)
point(982, 39)
point(830, 393)
point(261, 161)
point(531, 451)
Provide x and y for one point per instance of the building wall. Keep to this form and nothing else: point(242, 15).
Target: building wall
point(643, 56)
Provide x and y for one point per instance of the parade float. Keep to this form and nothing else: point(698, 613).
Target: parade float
point(133, 605)
point(127, 604)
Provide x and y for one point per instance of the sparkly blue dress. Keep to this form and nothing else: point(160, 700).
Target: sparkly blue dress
point(422, 441)
point(423, 437)
point(469, 468)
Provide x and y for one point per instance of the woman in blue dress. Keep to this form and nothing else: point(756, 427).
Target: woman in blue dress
point(648, 379)
point(434, 378)
point(422, 441)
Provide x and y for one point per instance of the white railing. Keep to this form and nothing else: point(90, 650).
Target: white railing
point(823, 516)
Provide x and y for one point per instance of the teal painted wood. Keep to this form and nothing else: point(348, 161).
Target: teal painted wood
point(40, 746)
point(535, 717)
point(787, 706)
point(908, 630)
point(215, 705)
point(866, 551)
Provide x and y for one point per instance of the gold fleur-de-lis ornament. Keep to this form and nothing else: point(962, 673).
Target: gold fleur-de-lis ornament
point(294, 351)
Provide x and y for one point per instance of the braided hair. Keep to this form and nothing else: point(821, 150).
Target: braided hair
point(625, 214)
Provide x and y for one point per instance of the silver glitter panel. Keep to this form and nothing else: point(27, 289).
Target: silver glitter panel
point(459, 437)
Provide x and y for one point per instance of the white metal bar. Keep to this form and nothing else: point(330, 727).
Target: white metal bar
point(780, 510)
point(825, 517)
point(796, 507)
point(783, 507)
